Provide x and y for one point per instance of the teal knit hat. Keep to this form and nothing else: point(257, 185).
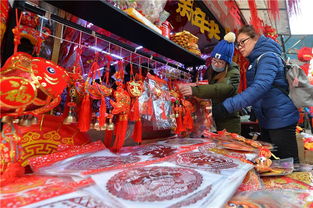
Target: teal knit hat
point(224, 50)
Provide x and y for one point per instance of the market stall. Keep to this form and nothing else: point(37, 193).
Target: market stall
point(92, 115)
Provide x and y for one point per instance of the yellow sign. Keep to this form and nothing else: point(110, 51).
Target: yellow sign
point(198, 18)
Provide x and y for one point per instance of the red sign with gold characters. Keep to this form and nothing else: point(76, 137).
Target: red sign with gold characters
point(16, 92)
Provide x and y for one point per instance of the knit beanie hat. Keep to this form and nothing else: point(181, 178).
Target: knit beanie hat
point(224, 50)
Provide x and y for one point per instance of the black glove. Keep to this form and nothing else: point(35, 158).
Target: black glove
point(219, 112)
point(234, 81)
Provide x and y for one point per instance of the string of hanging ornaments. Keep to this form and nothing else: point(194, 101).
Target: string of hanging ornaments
point(117, 101)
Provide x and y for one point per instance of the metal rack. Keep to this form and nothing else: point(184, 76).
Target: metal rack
point(116, 21)
point(23, 5)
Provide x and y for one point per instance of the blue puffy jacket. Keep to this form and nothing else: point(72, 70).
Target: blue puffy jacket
point(272, 107)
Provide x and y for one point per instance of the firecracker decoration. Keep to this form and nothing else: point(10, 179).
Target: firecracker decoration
point(270, 32)
point(305, 54)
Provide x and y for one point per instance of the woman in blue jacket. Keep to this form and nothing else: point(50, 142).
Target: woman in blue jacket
point(276, 113)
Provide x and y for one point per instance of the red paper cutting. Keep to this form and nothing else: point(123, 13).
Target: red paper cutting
point(154, 183)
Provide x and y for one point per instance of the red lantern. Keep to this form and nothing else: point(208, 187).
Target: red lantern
point(305, 54)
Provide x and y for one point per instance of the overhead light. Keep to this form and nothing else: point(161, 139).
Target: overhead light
point(138, 48)
point(102, 51)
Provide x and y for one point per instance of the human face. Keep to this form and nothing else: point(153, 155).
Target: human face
point(245, 44)
point(218, 63)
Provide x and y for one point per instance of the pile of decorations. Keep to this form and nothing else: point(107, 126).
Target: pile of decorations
point(187, 40)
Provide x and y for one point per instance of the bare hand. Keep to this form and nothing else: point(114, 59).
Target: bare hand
point(185, 89)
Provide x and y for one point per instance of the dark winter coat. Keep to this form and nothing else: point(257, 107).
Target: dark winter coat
point(218, 89)
point(272, 107)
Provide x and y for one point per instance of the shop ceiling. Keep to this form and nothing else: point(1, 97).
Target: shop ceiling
point(281, 25)
point(218, 8)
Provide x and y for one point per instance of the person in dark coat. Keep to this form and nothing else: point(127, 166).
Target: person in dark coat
point(224, 78)
point(275, 111)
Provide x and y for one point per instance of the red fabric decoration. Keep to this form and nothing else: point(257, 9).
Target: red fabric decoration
point(305, 68)
point(107, 71)
point(188, 121)
point(85, 114)
point(120, 134)
point(179, 121)
point(108, 133)
point(102, 112)
point(4, 13)
point(108, 138)
point(255, 21)
point(121, 107)
point(270, 32)
point(274, 8)
point(11, 173)
point(305, 54)
point(137, 135)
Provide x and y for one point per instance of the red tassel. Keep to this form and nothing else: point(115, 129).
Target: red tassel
point(12, 171)
point(108, 138)
point(188, 122)
point(121, 129)
point(137, 135)
point(85, 114)
point(179, 122)
point(134, 112)
point(102, 112)
point(255, 21)
point(274, 9)
point(149, 107)
point(107, 72)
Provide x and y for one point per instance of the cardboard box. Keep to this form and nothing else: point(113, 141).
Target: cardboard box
point(305, 156)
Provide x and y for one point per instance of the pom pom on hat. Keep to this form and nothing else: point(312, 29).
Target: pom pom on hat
point(224, 50)
point(230, 37)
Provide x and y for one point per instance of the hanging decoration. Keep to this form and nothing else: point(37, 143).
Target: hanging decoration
point(29, 86)
point(305, 54)
point(270, 32)
point(121, 108)
point(255, 20)
point(135, 89)
point(4, 12)
point(26, 28)
point(234, 11)
point(273, 6)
